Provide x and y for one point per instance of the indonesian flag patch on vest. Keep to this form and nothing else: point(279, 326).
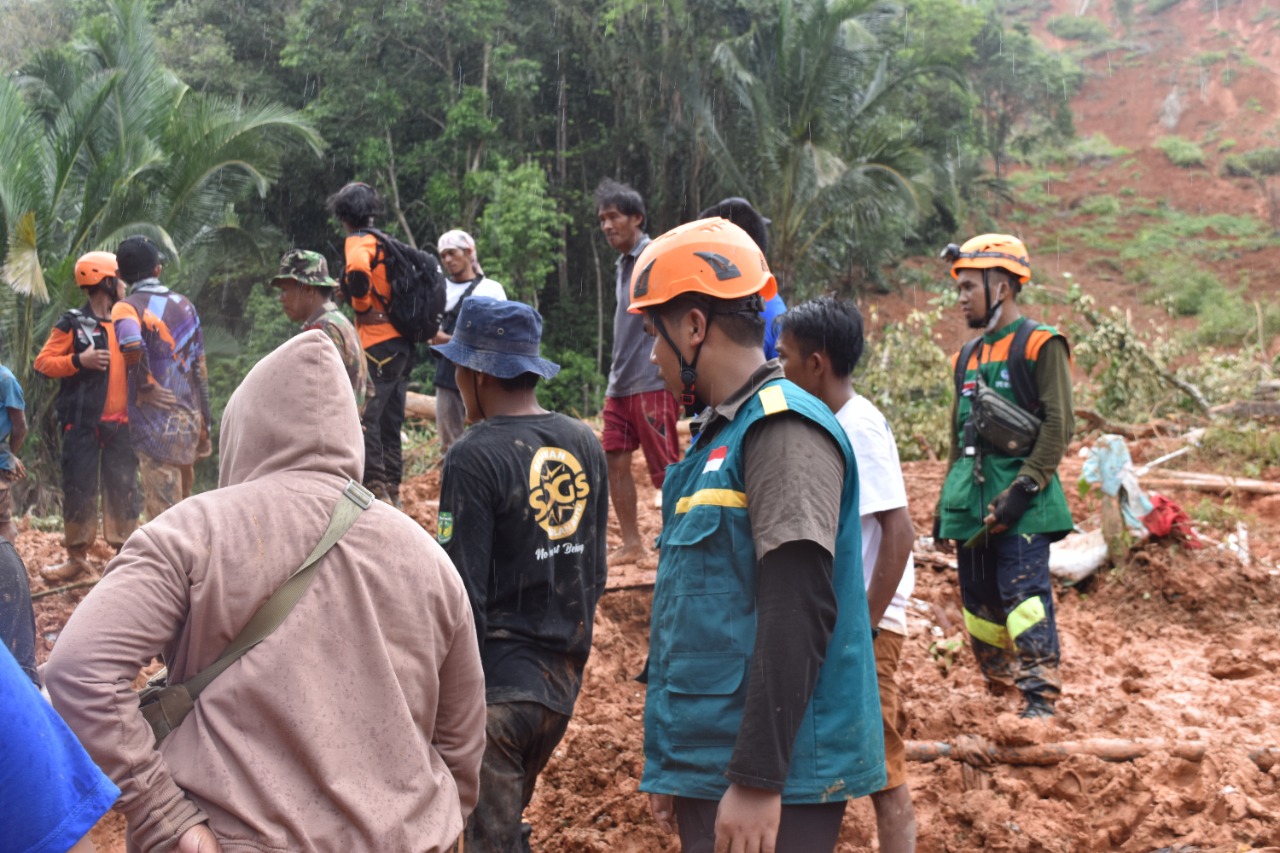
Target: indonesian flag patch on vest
point(716, 459)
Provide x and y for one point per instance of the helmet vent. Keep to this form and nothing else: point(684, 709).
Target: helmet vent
point(725, 269)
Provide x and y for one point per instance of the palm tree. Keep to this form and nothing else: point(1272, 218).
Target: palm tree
point(99, 141)
point(806, 139)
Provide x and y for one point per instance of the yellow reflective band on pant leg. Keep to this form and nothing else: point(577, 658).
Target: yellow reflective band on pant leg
point(1025, 615)
point(988, 632)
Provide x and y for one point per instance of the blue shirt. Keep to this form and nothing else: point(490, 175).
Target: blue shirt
point(51, 792)
point(10, 398)
point(773, 309)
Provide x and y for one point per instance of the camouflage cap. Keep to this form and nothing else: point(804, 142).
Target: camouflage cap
point(304, 267)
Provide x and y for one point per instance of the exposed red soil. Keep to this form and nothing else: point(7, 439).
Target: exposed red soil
point(1177, 645)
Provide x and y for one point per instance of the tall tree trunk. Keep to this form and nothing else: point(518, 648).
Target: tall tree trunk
point(562, 132)
point(393, 188)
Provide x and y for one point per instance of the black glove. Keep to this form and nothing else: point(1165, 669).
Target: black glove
point(1011, 504)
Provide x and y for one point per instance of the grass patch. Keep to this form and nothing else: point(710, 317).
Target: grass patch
point(1100, 205)
point(1086, 29)
point(1096, 149)
point(1182, 153)
point(1155, 7)
point(1247, 448)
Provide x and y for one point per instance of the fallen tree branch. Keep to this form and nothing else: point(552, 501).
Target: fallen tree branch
point(419, 406)
point(1249, 409)
point(1210, 483)
point(1155, 429)
point(65, 588)
point(1108, 749)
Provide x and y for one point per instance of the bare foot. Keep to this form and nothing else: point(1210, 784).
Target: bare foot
point(626, 553)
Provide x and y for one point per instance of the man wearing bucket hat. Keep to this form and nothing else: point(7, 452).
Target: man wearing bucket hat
point(524, 504)
point(762, 716)
point(306, 295)
point(458, 257)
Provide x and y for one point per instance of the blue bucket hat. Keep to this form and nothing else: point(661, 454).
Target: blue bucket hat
point(497, 337)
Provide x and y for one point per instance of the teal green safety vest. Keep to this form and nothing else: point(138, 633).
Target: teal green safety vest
point(964, 503)
point(703, 629)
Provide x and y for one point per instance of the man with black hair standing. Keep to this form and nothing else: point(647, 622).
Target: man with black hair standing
point(389, 355)
point(1007, 506)
point(523, 508)
point(638, 411)
point(465, 278)
point(93, 412)
point(819, 344)
point(162, 345)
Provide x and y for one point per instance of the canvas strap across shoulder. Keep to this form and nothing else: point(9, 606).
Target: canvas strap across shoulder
point(165, 705)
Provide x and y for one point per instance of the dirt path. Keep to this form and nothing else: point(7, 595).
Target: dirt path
point(1178, 645)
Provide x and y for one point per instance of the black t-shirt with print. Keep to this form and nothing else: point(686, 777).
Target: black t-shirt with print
point(524, 505)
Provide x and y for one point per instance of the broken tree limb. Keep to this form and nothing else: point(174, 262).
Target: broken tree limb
point(419, 406)
point(1249, 409)
point(64, 588)
point(1108, 749)
point(1156, 429)
point(1210, 483)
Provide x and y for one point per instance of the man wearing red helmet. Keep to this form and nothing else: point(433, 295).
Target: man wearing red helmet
point(93, 413)
point(762, 716)
point(1002, 497)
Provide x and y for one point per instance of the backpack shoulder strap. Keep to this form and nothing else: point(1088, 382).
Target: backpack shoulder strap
point(962, 362)
point(1024, 384)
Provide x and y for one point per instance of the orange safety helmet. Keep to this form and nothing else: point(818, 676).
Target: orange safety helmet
point(990, 251)
point(708, 256)
point(93, 267)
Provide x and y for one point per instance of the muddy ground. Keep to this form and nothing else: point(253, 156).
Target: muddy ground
point(1176, 645)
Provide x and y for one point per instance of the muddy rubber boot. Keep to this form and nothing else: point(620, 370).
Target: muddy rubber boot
point(1037, 707)
point(75, 565)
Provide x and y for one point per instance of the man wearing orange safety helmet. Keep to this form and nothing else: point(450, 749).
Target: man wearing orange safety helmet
point(1011, 424)
point(93, 413)
point(762, 716)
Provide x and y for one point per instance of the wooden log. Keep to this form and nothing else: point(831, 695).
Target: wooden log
point(420, 406)
point(1041, 754)
point(1210, 483)
point(1249, 409)
point(1156, 429)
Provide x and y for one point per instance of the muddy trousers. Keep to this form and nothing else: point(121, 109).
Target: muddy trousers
point(520, 738)
point(1008, 610)
point(17, 617)
point(98, 460)
point(389, 365)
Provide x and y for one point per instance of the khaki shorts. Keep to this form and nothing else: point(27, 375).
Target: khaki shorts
point(888, 649)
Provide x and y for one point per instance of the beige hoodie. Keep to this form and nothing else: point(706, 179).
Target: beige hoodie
point(359, 723)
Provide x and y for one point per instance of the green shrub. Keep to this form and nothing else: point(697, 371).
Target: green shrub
point(1100, 205)
point(1095, 148)
point(578, 389)
point(1226, 145)
point(1155, 7)
point(1181, 152)
point(1085, 29)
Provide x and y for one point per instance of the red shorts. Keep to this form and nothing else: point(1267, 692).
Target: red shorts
point(647, 421)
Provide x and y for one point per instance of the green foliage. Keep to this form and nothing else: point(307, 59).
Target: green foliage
point(907, 374)
point(1079, 28)
point(520, 230)
point(1100, 205)
point(1096, 148)
point(578, 389)
point(1155, 7)
point(1251, 449)
point(1181, 152)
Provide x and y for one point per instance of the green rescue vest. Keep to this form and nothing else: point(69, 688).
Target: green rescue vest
point(703, 629)
point(964, 502)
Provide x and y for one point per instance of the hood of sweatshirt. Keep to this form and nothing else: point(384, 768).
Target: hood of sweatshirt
point(294, 411)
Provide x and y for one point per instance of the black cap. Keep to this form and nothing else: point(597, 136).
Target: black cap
point(137, 258)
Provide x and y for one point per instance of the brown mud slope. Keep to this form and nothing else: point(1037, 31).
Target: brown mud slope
point(1179, 645)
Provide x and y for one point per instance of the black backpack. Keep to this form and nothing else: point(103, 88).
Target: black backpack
point(417, 287)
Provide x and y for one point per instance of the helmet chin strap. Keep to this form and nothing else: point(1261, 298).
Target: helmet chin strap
point(992, 317)
point(688, 370)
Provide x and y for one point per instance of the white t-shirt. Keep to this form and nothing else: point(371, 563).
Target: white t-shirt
point(453, 291)
point(880, 488)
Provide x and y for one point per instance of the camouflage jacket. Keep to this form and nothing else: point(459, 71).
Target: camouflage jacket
point(334, 323)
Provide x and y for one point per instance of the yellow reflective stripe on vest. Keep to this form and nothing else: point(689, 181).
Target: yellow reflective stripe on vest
point(773, 400)
point(988, 632)
point(1025, 616)
point(712, 497)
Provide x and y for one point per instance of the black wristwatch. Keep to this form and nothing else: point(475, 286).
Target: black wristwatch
point(1026, 484)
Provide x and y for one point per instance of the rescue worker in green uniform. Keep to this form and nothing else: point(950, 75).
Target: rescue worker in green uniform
point(1006, 507)
point(762, 716)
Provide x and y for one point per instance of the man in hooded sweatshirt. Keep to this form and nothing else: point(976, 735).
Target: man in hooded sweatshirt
point(358, 723)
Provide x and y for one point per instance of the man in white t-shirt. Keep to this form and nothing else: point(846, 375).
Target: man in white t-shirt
point(458, 257)
point(819, 344)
